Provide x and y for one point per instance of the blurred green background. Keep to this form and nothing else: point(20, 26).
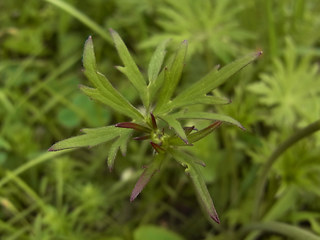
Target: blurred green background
point(72, 195)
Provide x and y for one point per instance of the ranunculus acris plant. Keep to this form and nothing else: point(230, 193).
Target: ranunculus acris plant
point(159, 104)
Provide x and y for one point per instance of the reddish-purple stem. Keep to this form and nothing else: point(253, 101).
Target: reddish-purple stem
point(134, 126)
point(140, 138)
point(157, 147)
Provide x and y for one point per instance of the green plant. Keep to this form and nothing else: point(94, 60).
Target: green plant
point(160, 119)
point(208, 25)
point(282, 92)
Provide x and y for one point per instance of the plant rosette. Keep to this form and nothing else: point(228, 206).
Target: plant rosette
point(159, 104)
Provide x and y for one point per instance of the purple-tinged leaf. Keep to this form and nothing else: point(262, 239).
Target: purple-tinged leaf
point(153, 121)
point(148, 172)
point(157, 147)
point(134, 126)
point(141, 138)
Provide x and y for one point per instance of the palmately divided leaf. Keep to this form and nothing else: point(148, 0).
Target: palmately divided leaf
point(214, 79)
point(150, 170)
point(90, 138)
point(207, 116)
point(130, 69)
point(172, 76)
point(156, 61)
point(119, 143)
point(104, 91)
point(193, 171)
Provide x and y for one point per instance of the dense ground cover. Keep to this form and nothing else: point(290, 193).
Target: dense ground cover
point(264, 181)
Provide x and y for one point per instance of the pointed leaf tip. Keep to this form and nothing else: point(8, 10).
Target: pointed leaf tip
point(201, 163)
point(51, 149)
point(89, 42)
point(194, 173)
point(242, 128)
point(259, 53)
point(89, 38)
point(215, 218)
point(142, 182)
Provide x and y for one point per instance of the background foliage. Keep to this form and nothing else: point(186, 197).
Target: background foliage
point(72, 195)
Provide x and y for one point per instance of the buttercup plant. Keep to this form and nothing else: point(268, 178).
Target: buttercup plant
point(159, 106)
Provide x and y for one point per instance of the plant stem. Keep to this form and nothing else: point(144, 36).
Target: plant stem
point(290, 231)
point(296, 137)
point(40, 159)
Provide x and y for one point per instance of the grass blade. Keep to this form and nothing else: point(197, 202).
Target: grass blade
point(290, 231)
point(81, 17)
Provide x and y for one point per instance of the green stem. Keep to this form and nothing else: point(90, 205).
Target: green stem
point(293, 232)
point(40, 159)
point(296, 137)
point(272, 34)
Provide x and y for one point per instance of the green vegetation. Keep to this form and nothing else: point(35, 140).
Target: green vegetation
point(264, 180)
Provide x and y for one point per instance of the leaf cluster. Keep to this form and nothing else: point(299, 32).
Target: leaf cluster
point(69, 194)
point(157, 97)
point(208, 25)
point(291, 92)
